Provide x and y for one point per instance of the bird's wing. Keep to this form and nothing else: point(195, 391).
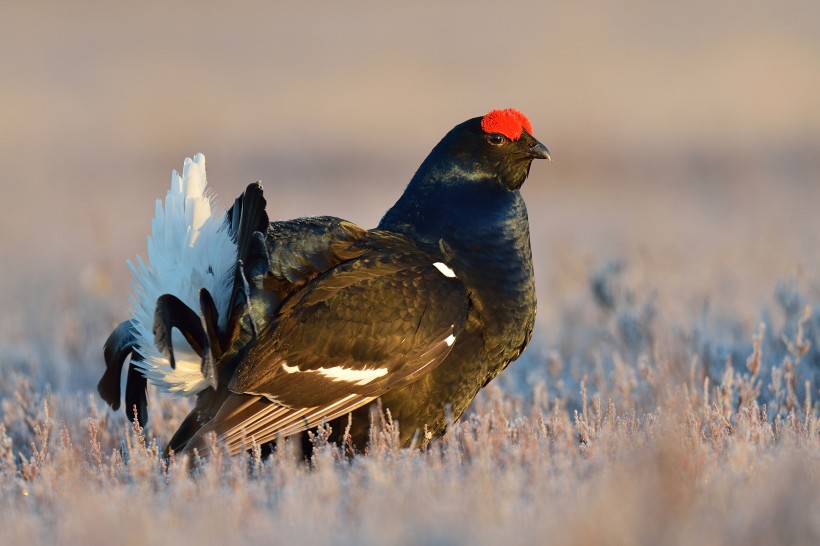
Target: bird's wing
point(366, 326)
point(243, 418)
point(274, 265)
point(281, 260)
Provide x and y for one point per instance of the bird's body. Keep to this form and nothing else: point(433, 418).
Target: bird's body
point(488, 242)
point(325, 317)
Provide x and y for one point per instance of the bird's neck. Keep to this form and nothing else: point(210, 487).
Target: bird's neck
point(482, 232)
point(472, 216)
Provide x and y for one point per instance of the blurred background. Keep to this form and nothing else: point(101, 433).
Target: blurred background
point(686, 135)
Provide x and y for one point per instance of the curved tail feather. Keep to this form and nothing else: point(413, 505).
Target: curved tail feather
point(136, 394)
point(118, 346)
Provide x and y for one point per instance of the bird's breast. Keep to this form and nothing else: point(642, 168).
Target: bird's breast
point(496, 266)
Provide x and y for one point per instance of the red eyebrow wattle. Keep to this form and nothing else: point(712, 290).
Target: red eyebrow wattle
point(508, 122)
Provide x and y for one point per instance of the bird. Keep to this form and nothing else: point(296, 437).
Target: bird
point(278, 327)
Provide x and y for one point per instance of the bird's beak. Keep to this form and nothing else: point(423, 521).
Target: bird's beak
point(539, 151)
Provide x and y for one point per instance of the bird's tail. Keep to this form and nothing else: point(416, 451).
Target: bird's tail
point(195, 262)
point(190, 249)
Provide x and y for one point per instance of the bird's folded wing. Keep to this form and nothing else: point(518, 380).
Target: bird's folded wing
point(371, 324)
point(281, 260)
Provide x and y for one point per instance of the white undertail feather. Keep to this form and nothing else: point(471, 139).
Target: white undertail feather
point(189, 249)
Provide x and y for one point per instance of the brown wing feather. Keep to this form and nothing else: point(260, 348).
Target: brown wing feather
point(368, 325)
point(244, 418)
point(383, 318)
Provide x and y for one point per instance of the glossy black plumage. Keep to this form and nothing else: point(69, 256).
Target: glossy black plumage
point(422, 311)
point(119, 345)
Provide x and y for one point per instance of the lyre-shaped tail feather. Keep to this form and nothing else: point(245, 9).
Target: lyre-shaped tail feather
point(119, 345)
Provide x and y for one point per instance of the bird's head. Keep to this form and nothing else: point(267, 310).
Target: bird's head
point(472, 175)
point(498, 146)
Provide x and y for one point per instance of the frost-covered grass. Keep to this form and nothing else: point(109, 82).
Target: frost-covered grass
point(624, 430)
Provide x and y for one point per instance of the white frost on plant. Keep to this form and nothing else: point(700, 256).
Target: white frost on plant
point(189, 249)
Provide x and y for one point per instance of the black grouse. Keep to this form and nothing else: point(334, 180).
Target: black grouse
point(322, 317)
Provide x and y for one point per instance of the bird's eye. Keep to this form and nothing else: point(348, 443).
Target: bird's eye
point(496, 139)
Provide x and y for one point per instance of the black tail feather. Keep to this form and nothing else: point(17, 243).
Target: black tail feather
point(189, 426)
point(117, 347)
point(246, 216)
point(210, 318)
point(136, 394)
point(257, 261)
point(171, 313)
point(208, 403)
point(248, 224)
